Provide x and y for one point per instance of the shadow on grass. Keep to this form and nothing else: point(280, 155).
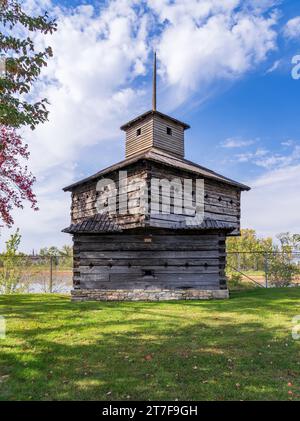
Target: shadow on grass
point(56, 349)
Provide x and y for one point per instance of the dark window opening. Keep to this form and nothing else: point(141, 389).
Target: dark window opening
point(139, 132)
point(169, 131)
point(148, 272)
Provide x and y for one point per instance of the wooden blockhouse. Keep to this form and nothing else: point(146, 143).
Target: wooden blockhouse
point(140, 246)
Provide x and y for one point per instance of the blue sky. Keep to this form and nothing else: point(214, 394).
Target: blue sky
point(224, 68)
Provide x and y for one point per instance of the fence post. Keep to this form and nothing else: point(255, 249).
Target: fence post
point(266, 269)
point(51, 274)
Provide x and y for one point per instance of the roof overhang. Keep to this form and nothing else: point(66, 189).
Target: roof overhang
point(152, 113)
point(163, 159)
point(103, 223)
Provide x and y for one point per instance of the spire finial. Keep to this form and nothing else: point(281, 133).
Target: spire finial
point(154, 83)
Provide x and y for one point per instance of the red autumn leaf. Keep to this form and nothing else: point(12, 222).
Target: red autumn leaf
point(15, 180)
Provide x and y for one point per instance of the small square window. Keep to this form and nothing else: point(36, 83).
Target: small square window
point(138, 132)
point(148, 272)
point(169, 131)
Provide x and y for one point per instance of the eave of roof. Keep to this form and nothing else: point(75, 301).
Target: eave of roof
point(99, 223)
point(181, 222)
point(103, 223)
point(165, 159)
point(152, 112)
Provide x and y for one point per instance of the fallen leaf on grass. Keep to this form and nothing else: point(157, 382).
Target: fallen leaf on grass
point(148, 357)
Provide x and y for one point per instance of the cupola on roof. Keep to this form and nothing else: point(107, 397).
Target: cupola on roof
point(154, 129)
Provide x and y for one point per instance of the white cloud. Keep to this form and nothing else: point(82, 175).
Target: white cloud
point(274, 67)
point(251, 156)
point(95, 80)
point(288, 143)
point(206, 41)
point(269, 160)
point(272, 206)
point(234, 142)
point(97, 55)
point(88, 82)
point(292, 28)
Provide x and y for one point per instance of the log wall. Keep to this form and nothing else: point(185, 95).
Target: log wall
point(153, 260)
point(221, 201)
point(136, 144)
point(84, 198)
point(171, 143)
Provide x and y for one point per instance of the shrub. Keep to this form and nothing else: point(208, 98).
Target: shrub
point(281, 271)
point(11, 263)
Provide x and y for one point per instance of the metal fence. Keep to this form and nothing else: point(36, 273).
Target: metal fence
point(263, 269)
point(37, 274)
point(29, 274)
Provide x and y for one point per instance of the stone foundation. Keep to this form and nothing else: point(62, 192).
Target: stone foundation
point(147, 295)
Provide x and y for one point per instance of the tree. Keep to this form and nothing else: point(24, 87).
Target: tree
point(10, 272)
point(247, 251)
point(15, 181)
point(66, 251)
point(289, 242)
point(23, 65)
point(281, 267)
point(49, 251)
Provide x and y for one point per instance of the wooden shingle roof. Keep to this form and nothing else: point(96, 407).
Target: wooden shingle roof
point(103, 223)
point(99, 223)
point(187, 223)
point(165, 159)
point(153, 112)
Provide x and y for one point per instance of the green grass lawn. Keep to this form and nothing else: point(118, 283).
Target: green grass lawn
point(239, 349)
